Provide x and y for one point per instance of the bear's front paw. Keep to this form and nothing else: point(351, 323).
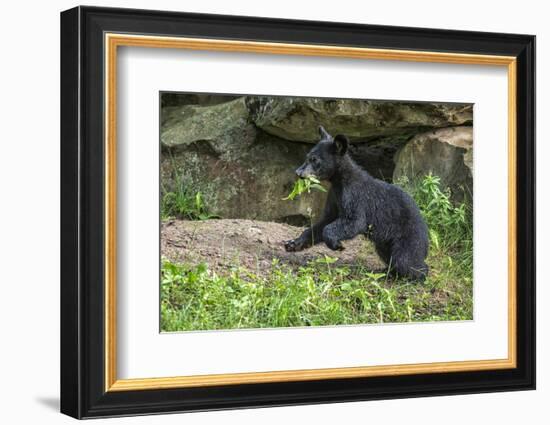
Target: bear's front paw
point(334, 245)
point(294, 245)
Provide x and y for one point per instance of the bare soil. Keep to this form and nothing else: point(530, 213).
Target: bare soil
point(222, 244)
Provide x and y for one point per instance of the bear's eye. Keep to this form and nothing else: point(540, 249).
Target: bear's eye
point(314, 160)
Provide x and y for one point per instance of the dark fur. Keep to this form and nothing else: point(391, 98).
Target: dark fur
point(357, 203)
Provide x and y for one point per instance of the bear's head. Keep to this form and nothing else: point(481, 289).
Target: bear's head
point(324, 159)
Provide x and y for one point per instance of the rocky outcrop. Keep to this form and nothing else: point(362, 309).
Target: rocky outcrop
point(298, 119)
point(446, 153)
point(222, 128)
point(241, 171)
point(241, 152)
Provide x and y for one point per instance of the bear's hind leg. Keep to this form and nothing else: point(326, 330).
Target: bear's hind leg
point(384, 252)
point(414, 272)
point(405, 263)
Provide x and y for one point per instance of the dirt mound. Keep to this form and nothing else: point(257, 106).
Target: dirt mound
point(252, 244)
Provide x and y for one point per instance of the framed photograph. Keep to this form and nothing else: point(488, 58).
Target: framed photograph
point(261, 212)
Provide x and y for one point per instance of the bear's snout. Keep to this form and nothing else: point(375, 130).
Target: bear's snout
point(305, 171)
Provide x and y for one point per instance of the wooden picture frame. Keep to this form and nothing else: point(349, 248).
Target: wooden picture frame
point(90, 38)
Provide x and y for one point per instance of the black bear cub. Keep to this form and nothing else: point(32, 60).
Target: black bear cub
point(357, 203)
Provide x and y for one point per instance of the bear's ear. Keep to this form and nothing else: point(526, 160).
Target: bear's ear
point(323, 133)
point(341, 143)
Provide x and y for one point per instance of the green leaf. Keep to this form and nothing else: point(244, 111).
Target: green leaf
point(304, 185)
point(318, 187)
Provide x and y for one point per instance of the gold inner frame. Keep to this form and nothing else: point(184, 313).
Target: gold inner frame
point(113, 41)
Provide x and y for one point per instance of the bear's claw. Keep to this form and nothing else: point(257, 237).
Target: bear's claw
point(335, 246)
point(290, 246)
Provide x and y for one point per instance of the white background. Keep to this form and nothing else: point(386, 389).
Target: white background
point(29, 228)
point(144, 72)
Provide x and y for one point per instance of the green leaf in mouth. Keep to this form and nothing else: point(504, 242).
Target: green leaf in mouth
point(304, 185)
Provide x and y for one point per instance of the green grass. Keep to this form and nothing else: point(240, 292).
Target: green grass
point(321, 293)
point(184, 204)
point(181, 200)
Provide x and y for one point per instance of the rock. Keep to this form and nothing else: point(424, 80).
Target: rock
point(202, 99)
point(241, 172)
point(241, 152)
point(211, 129)
point(298, 119)
point(446, 153)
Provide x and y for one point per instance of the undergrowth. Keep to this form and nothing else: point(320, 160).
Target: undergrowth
point(194, 297)
point(182, 200)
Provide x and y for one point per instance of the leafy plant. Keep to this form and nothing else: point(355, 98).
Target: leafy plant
point(181, 197)
point(304, 185)
point(321, 293)
point(449, 224)
point(186, 205)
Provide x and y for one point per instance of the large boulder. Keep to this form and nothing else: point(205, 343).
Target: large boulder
point(298, 119)
point(241, 171)
point(222, 129)
point(446, 153)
